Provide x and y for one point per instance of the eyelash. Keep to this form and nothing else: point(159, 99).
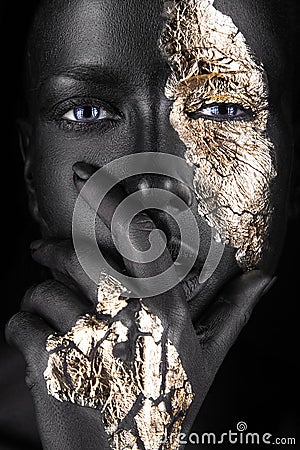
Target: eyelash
point(246, 114)
point(109, 122)
point(76, 125)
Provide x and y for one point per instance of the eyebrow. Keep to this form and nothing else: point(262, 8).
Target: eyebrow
point(92, 73)
point(89, 73)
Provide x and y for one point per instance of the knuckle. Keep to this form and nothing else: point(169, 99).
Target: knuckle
point(11, 325)
point(42, 290)
point(60, 254)
point(36, 361)
point(15, 323)
point(38, 292)
point(69, 262)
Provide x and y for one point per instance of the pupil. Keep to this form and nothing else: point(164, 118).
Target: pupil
point(87, 112)
point(223, 110)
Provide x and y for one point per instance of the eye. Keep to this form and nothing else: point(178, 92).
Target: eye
point(88, 113)
point(222, 111)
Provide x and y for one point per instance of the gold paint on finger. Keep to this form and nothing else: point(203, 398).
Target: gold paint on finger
point(111, 294)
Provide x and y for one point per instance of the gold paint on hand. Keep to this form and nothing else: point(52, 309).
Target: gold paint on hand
point(125, 366)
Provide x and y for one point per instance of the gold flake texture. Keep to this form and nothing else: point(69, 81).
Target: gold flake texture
point(211, 64)
point(130, 371)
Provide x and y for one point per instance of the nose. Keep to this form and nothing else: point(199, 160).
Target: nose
point(150, 127)
point(152, 132)
point(144, 182)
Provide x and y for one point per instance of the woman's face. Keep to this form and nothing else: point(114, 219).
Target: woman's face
point(98, 72)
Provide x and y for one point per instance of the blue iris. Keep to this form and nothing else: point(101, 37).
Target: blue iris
point(87, 113)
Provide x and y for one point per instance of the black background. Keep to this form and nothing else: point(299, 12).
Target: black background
point(258, 382)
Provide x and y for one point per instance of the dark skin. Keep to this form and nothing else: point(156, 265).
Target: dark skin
point(119, 64)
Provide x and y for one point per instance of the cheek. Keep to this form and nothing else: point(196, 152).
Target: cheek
point(234, 169)
point(56, 151)
point(53, 179)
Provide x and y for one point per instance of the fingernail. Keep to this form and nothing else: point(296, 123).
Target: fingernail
point(83, 170)
point(35, 245)
point(269, 286)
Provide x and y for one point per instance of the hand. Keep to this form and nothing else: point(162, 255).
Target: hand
point(56, 306)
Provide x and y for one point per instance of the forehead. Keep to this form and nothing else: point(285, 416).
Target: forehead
point(122, 36)
point(264, 25)
point(118, 36)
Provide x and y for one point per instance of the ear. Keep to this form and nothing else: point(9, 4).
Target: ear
point(25, 144)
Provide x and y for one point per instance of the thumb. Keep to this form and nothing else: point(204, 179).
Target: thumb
point(227, 316)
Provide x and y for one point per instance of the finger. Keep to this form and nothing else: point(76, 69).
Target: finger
point(230, 313)
point(82, 173)
point(141, 224)
point(207, 292)
point(135, 239)
point(56, 304)
point(170, 304)
point(28, 333)
point(60, 256)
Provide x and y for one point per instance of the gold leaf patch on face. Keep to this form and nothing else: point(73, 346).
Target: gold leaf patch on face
point(220, 112)
point(131, 372)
